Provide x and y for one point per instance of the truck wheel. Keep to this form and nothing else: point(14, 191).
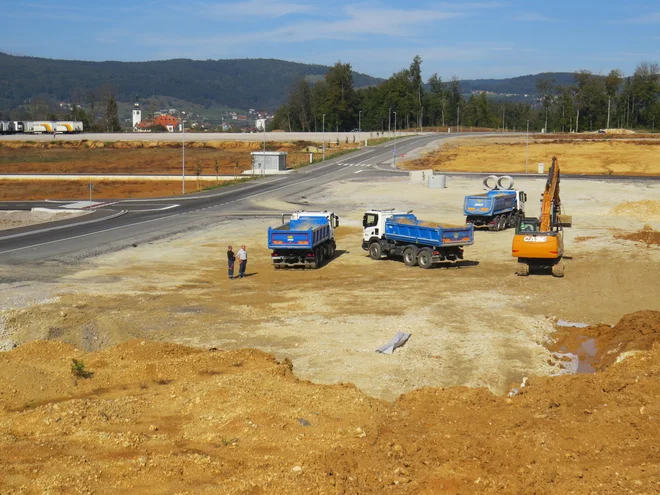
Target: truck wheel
point(425, 258)
point(331, 251)
point(410, 256)
point(503, 223)
point(318, 257)
point(495, 226)
point(375, 251)
point(558, 270)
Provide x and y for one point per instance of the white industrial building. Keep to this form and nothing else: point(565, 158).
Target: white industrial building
point(265, 162)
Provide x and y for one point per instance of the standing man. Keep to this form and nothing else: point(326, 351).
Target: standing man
point(242, 261)
point(230, 261)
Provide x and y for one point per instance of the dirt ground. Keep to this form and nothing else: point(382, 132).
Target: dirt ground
point(13, 219)
point(95, 157)
point(158, 418)
point(26, 190)
point(504, 154)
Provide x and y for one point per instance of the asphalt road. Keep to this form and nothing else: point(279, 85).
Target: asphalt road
point(130, 221)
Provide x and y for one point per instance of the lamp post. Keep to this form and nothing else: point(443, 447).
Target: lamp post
point(264, 160)
point(323, 137)
point(389, 121)
point(360, 121)
point(394, 146)
point(183, 157)
point(527, 149)
point(458, 120)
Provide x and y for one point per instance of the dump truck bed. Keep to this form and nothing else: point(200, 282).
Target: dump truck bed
point(304, 233)
point(408, 229)
point(490, 203)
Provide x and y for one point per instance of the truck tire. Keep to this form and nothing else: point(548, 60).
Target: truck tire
point(331, 251)
point(375, 251)
point(495, 225)
point(319, 257)
point(503, 223)
point(558, 270)
point(410, 256)
point(425, 258)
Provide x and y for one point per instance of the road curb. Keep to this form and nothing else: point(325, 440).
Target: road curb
point(59, 227)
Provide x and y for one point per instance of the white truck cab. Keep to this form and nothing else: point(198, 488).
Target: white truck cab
point(373, 223)
point(330, 216)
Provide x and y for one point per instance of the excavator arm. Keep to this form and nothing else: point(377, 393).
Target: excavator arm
point(550, 205)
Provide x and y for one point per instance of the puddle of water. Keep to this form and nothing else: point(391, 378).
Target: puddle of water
point(586, 353)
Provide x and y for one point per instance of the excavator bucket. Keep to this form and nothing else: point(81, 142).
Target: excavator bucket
point(565, 220)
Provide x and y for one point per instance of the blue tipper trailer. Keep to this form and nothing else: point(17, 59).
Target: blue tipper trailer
point(497, 209)
point(416, 241)
point(305, 241)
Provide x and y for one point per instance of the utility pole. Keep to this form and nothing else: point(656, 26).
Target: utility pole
point(527, 150)
point(394, 147)
point(264, 163)
point(503, 120)
point(389, 122)
point(609, 101)
point(323, 137)
point(359, 128)
point(183, 157)
point(458, 120)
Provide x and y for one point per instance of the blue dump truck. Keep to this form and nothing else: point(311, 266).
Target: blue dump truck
point(306, 240)
point(399, 234)
point(495, 209)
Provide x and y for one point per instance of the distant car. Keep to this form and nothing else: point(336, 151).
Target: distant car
point(356, 130)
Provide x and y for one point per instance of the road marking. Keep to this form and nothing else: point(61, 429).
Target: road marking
point(155, 209)
point(359, 171)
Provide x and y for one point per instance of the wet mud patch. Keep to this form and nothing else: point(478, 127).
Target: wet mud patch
point(594, 348)
point(646, 236)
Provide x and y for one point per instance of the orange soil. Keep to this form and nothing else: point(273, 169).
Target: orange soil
point(15, 190)
point(163, 418)
point(506, 154)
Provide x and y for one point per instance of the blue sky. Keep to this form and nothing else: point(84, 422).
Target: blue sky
point(467, 39)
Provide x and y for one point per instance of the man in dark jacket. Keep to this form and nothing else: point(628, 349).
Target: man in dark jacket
point(230, 261)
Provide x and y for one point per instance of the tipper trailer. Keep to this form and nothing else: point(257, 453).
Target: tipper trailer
point(306, 240)
point(496, 209)
point(399, 234)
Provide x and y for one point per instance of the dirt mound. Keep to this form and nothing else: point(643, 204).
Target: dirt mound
point(647, 236)
point(648, 209)
point(600, 346)
point(161, 418)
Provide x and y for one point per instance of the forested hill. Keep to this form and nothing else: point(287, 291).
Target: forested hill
point(523, 85)
point(240, 83)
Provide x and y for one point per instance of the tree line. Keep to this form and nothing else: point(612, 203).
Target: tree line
point(590, 103)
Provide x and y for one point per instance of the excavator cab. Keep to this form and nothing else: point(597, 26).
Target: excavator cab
point(527, 224)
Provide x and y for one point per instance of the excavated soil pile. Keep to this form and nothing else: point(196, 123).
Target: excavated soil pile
point(162, 418)
point(634, 332)
point(647, 236)
point(646, 209)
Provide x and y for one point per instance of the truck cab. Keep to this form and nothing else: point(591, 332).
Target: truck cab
point(373, 224)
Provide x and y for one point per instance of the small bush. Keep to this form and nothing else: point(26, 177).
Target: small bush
point(78, 369)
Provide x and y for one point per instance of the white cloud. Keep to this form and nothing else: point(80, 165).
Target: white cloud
point(532, 17)
point(652, 18)
point(256, 8)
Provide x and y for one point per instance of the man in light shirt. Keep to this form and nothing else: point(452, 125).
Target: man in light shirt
point(242, 260)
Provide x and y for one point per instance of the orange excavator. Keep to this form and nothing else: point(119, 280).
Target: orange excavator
point(539, 243)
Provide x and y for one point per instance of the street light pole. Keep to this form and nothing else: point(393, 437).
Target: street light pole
point(458, 120)
point(360, 121)
point(183, 157)
point(527, 150)
point(323, 137)
point(389, 122)
point(394, 148)
point(264, 161)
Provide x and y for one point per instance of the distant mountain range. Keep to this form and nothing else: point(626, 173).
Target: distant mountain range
point(262, 84)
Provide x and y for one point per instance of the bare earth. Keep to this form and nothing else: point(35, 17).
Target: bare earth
point(503, 154)
point(159, 418)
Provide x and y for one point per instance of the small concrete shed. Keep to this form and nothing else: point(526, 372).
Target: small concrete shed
point(270, 161)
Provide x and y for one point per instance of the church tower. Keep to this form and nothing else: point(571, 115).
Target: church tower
point(137, 113)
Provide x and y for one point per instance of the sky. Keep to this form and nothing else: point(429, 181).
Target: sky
point(470, 40)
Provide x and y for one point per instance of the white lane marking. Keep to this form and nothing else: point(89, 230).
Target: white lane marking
point(88, 234)
point(155, 209)
point(358, 171)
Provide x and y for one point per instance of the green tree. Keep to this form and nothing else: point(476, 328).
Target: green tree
point(417, 92)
